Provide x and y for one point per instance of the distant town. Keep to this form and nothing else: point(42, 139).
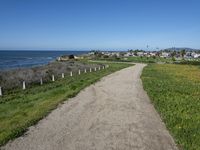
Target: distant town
point(177, 55)
point(167, 53)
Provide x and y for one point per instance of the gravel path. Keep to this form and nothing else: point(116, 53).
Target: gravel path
point(113, 114)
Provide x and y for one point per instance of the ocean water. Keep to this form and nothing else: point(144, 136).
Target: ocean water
point(21, 59)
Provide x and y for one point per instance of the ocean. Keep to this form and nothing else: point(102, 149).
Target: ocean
point(20, 59)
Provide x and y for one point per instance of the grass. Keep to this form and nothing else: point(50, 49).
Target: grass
point(149, 59)
point(21, 109)
point(175, 93)
point(139, 59)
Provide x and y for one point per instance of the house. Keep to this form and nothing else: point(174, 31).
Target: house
point(152, 54)
point(193, 54)
point(68, 57)
point(165, 55)
point(145, 54)
point(197, 56)
point(128, 54)
point(188, 55)
point(140, 54)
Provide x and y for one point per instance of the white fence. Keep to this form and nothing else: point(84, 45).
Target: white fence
point(62, 76)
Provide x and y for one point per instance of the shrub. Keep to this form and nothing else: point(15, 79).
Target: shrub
point(10, 79)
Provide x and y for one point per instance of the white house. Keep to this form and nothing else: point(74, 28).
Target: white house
point(165, 55)
point(197, 56)
point(140, 53)
point(129, 54)
point(152, 54)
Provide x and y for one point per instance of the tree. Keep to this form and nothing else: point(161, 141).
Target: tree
point(135, 53)
point(173, 53)
point(183, 52)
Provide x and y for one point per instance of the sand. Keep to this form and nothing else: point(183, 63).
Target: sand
point(113, 114)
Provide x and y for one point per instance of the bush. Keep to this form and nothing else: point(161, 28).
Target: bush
point(11, 79)
point(190, 62)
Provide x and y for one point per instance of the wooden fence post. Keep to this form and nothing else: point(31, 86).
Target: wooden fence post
point(90, 70)
point(53, 79)
point(95, 69)
point(79, 71)
point(24, 85)
point(41, 82)
point(103, 67)
point(63, 75)
point(85, 71)
point(1, 91)
point(99, 68)
point(71, 74)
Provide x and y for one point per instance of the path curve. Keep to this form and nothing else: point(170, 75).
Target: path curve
point(113, 114)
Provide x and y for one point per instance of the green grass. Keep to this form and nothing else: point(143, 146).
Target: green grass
point(139, 59)
point(175, 93)
point(21, 109)
point(149, 59)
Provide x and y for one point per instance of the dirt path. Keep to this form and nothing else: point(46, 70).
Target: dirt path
point(113, 114)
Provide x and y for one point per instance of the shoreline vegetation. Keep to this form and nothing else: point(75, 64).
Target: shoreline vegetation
point(175, 92)
point(20, 109)
point(13, 79)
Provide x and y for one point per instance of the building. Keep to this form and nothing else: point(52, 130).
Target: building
point(165, 55)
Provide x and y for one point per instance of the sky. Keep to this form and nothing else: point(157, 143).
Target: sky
point(99, 24)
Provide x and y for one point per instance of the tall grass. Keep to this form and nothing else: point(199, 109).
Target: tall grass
point(175, 92)
point(21, 109)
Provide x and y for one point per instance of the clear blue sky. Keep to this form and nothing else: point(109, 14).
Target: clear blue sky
point(99, 24)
